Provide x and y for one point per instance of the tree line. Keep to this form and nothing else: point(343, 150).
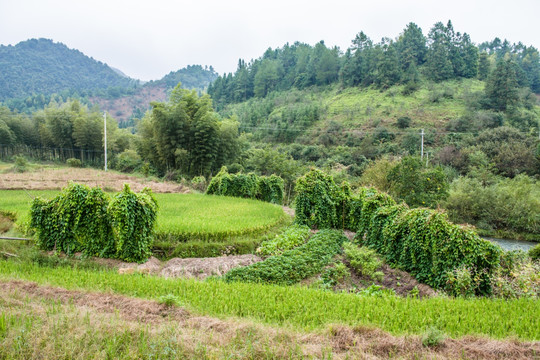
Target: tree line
point(443, 54)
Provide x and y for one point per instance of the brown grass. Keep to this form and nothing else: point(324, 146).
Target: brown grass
point(56, 179)
point(72, 315)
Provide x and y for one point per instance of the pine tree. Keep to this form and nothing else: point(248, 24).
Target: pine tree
point(502, 86)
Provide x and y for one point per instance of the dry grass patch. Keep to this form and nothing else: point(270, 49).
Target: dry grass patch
point(58, 178)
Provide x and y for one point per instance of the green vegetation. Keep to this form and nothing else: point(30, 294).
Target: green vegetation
point(363, 260)
point(264, 188)
point(508, 204)
point(41, 58)
point(83, 219)
point(304, 308)
point(293, 265)
point(420, 241)
point(187, 136)
point(295, 235)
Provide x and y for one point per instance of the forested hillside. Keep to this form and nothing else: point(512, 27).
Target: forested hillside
point(38, 71)
point(411, 57)
point(41, 66)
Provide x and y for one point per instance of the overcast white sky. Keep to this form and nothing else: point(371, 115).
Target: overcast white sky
point(148, 39)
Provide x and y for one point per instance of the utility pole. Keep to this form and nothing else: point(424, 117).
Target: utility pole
point(105, 136)
point(422, 146)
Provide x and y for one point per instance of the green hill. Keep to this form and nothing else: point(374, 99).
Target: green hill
point(41, 66)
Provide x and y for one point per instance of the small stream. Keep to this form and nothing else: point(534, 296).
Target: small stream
point(508, 245)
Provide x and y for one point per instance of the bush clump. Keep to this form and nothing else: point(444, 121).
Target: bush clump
point(264, 188)
point(424, 243)
point(293, 265)
point(83, 219)
point(74, 162)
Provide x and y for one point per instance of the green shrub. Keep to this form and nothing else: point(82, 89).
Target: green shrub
point(132, 219)
point(75, 220)
point(293, 236)
point(433, 337)
point(198, 183)
point(372, 201)
point(316, 200)
point(362, 259)
point(269, 189)
point(403, 122)
point(514, 204)
point(424, 243)
point(128, 161)
point(82, 219)
point(293, 265)
point(461, 282)
point(518, 276)
point(21, 164)
point(73, 162)
point(333, 275)
point(534, 252)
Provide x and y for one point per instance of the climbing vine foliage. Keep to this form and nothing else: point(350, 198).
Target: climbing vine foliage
point(421, 241)
point(264, 188)
point(84, 219)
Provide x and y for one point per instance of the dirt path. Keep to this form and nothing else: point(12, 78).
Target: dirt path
point(344, 342)
point(56, 179)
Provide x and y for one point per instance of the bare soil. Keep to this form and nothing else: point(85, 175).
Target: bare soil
point(343, 341)
point(56, 179)
point(122, 108)
point(199, 268)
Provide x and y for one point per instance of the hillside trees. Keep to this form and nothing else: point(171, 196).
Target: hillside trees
point(185, 134)
point(502, 86)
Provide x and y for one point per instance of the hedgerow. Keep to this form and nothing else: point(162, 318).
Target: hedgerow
point(81, 218)
point(293, 265)
point(316, 200)
point(426, 244)
point(420, 241)
point(269, 189)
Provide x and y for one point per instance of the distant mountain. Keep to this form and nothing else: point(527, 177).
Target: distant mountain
point(134, 104)
point(41, 66)
point(191, 77)
point(36, 71)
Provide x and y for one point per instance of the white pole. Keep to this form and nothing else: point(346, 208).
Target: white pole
point(105, 136)
point(422, 147)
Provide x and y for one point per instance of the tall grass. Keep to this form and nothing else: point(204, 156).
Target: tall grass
point(304, 308)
